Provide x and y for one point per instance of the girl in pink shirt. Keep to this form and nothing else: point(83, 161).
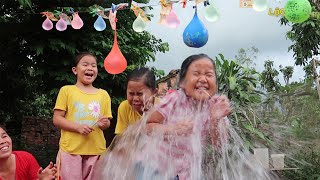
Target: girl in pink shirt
point(194, 110)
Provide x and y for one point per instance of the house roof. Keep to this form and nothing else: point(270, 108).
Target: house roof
point(172, 73)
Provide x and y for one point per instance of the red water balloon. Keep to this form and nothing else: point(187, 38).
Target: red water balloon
point(115, 63)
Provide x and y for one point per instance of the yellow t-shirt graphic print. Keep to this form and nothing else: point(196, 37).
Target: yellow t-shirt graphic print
point(83, 108)
point(85, 114)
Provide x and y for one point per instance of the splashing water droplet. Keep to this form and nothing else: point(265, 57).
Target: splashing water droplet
point(139, 25)
point(100, 24)
point(213, 150)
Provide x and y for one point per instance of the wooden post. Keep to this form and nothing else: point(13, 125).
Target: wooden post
point(262, 156)
point(315, 75)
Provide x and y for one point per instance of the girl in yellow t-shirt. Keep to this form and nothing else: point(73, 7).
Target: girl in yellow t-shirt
point(81, 112)
point(141, 91)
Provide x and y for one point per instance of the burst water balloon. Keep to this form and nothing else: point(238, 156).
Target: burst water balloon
point(260, 5)
point(76, 22)
point(207, 153)
point(47, 24)
point(195, 34)
point(297, 11)
point(139, 25)
point(100, 24)
point(115, 62)
point(61, 25)
point(172, 20)
point(211, 13)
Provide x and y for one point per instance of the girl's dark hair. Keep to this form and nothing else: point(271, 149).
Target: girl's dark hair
point(186, 63)
point(144, 74)
point(81, 55)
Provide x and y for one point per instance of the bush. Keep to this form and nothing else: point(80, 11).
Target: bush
point(308, 162)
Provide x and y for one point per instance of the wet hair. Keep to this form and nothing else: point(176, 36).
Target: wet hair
point(144, 74)
point(189, 60)
point(81, 55)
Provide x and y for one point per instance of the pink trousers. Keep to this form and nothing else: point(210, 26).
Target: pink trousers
point(76, 167)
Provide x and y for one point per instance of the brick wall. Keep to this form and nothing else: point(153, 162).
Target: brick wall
point(41, 138)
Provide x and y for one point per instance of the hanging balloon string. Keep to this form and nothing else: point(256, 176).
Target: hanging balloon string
point(89, 9)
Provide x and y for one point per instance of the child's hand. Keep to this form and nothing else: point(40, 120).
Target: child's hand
point(48, 173)
point(84, 129)
point(103, 122)
point(220, 107)
point(183, 128)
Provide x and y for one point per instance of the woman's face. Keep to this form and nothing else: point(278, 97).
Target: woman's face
point(5, 144)
point(139, 95)
point(200, 79)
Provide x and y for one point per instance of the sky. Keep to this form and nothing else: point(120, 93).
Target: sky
point(236, 28)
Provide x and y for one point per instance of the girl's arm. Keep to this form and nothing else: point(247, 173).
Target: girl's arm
point(61, 122)
point(155, 124)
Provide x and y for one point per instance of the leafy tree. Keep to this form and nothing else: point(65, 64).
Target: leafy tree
point(269, 77)
point(305, 36)
point(240, 85)
point(35, 62)
point(247, 56)
point(287, 72)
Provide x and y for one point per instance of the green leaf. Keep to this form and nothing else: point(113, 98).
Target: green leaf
point(232, 82)
point(39, 50)
point(260, 134)
point(25, 3)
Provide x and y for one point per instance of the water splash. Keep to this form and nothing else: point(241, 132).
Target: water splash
point(207, 153)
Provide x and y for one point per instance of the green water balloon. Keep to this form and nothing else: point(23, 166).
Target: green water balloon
point(211, 14)
point(297, 11)
point(139, 25)
point(260, 5)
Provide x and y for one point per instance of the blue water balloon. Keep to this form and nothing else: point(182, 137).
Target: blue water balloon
point(195, 34)
point(100, 24)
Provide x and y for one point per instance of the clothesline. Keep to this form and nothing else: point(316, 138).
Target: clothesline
point(127, 6)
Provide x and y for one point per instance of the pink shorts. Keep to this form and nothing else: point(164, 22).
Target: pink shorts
point(76, 167)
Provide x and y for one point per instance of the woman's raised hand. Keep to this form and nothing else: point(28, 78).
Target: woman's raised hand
point(49, 173)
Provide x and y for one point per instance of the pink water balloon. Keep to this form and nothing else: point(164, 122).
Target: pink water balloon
point(47, 24)
point(172, 20)
point(76, 22)
point(61, 25)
